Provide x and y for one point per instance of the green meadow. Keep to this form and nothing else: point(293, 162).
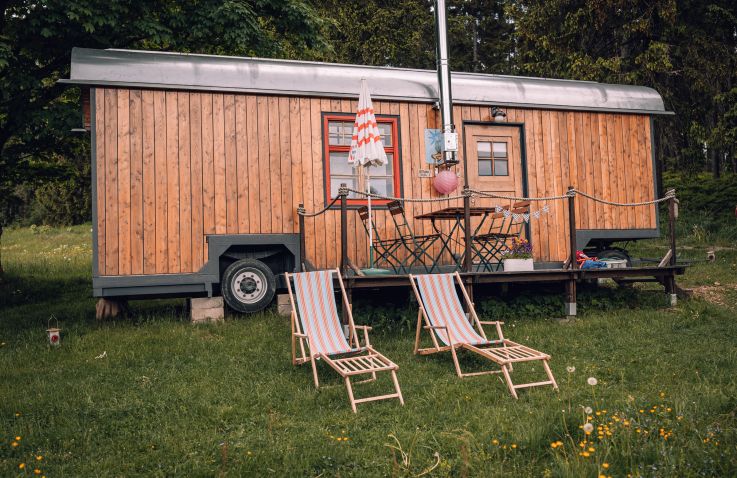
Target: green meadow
point(154, 395)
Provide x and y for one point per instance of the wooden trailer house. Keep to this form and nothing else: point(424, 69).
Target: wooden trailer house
point(201, 162)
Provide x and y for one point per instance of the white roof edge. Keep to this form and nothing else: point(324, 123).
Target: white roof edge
point(145, 69)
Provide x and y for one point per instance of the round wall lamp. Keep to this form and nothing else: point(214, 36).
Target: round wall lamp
point(497, 114)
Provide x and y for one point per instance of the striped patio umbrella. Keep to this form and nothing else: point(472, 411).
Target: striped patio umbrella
point(367, 150)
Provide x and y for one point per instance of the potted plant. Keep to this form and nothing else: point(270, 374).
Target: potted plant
point(518, 256)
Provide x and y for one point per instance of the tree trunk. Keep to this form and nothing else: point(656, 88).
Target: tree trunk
point(716, 162)
point(2, 271)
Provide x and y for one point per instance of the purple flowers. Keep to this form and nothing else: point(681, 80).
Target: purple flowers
point(519, 249)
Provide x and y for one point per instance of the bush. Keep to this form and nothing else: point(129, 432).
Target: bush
point(706, 210)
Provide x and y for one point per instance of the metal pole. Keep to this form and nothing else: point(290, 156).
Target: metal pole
point(343, 229)
point(570, 304)
point(572, 228)
point(467, 259)
point(446, 102)
point(302, 251)
point(672, 229)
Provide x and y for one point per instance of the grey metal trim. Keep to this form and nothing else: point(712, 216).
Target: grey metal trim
point(584, 236)
point(143, 69)
point(195, 284)
point(217, 244)
point(93, 159)
point(158, 285)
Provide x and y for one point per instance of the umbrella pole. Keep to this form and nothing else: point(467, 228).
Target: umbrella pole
point(371, 219)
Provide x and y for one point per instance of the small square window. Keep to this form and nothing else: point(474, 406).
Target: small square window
point(485, 167)
point(501, 167)
point(500, 150)
point(483, 150)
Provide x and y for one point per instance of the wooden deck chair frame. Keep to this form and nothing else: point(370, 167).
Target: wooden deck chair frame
point(364, 360)
point(501, 351)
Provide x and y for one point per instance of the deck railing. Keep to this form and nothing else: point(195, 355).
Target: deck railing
point(467, 194)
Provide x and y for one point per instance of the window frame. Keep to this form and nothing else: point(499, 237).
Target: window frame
point(395, 150)
point(492, 160)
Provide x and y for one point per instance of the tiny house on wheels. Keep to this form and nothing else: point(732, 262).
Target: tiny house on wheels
point(200, 163)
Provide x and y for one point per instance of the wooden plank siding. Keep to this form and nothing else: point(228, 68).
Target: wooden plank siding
point(175, 166)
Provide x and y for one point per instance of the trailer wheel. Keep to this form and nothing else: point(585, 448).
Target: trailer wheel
point(248, 285)
point(617, 254)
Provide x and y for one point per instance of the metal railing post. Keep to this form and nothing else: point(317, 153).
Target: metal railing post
point(572, 227)
point(467, 259)
point(672, 228)
point(302, 251)
point(343, 228)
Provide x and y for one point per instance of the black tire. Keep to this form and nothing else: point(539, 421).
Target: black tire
point(618, 254)
point(248, 286)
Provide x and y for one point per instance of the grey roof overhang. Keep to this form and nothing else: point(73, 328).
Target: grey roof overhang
point(161, 70)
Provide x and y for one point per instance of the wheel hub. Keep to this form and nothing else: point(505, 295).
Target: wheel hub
point(249, 286)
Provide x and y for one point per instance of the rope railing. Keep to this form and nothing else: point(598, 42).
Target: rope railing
point(392, 198)
point(670, 193)
point(303, 212)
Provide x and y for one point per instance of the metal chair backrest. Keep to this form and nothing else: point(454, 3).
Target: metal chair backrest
point(366, 220)
point(516, 225)
point(400, 219)
point(318, 313)
point(443, 308)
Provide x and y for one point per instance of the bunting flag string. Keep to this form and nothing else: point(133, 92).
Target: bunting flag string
point(523, 216)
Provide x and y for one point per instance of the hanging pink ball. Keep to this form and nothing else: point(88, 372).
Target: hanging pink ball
point(445, 182)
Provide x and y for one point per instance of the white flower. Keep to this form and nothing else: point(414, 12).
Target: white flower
point(592, 381)
point(588, 427)
point(571, 369)
point(588, 410)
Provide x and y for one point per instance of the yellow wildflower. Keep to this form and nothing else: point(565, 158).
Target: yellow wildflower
point(585, 454)
point(17, 438)
point(39, 458)
point(605, 466)
point(22, 466)
point(494, 441)
point(592, 449)
point(36, 471)
point(514, 445)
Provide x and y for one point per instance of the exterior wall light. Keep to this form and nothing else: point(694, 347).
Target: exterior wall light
point(498, 115)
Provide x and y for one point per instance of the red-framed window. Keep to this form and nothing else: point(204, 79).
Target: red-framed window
point(337, 130)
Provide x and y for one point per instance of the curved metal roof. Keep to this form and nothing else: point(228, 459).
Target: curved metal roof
point(146, 69)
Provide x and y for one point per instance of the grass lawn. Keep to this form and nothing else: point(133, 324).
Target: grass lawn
point(155, 395)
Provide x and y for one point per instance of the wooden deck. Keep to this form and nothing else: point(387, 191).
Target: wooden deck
point(631, 274)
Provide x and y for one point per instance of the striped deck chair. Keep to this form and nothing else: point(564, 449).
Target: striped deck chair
point(450, 329)
point(317, 331)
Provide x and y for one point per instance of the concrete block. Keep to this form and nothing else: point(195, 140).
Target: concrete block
point(206, 302)
point(213, 314)
point(283, 305)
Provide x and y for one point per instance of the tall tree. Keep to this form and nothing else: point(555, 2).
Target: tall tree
point(36, 38)
point(685, 49)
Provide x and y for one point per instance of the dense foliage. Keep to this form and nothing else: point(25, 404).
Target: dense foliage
point(37, 113)
point(683, 48)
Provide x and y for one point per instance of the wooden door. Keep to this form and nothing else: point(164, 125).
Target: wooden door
point(494, 159)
